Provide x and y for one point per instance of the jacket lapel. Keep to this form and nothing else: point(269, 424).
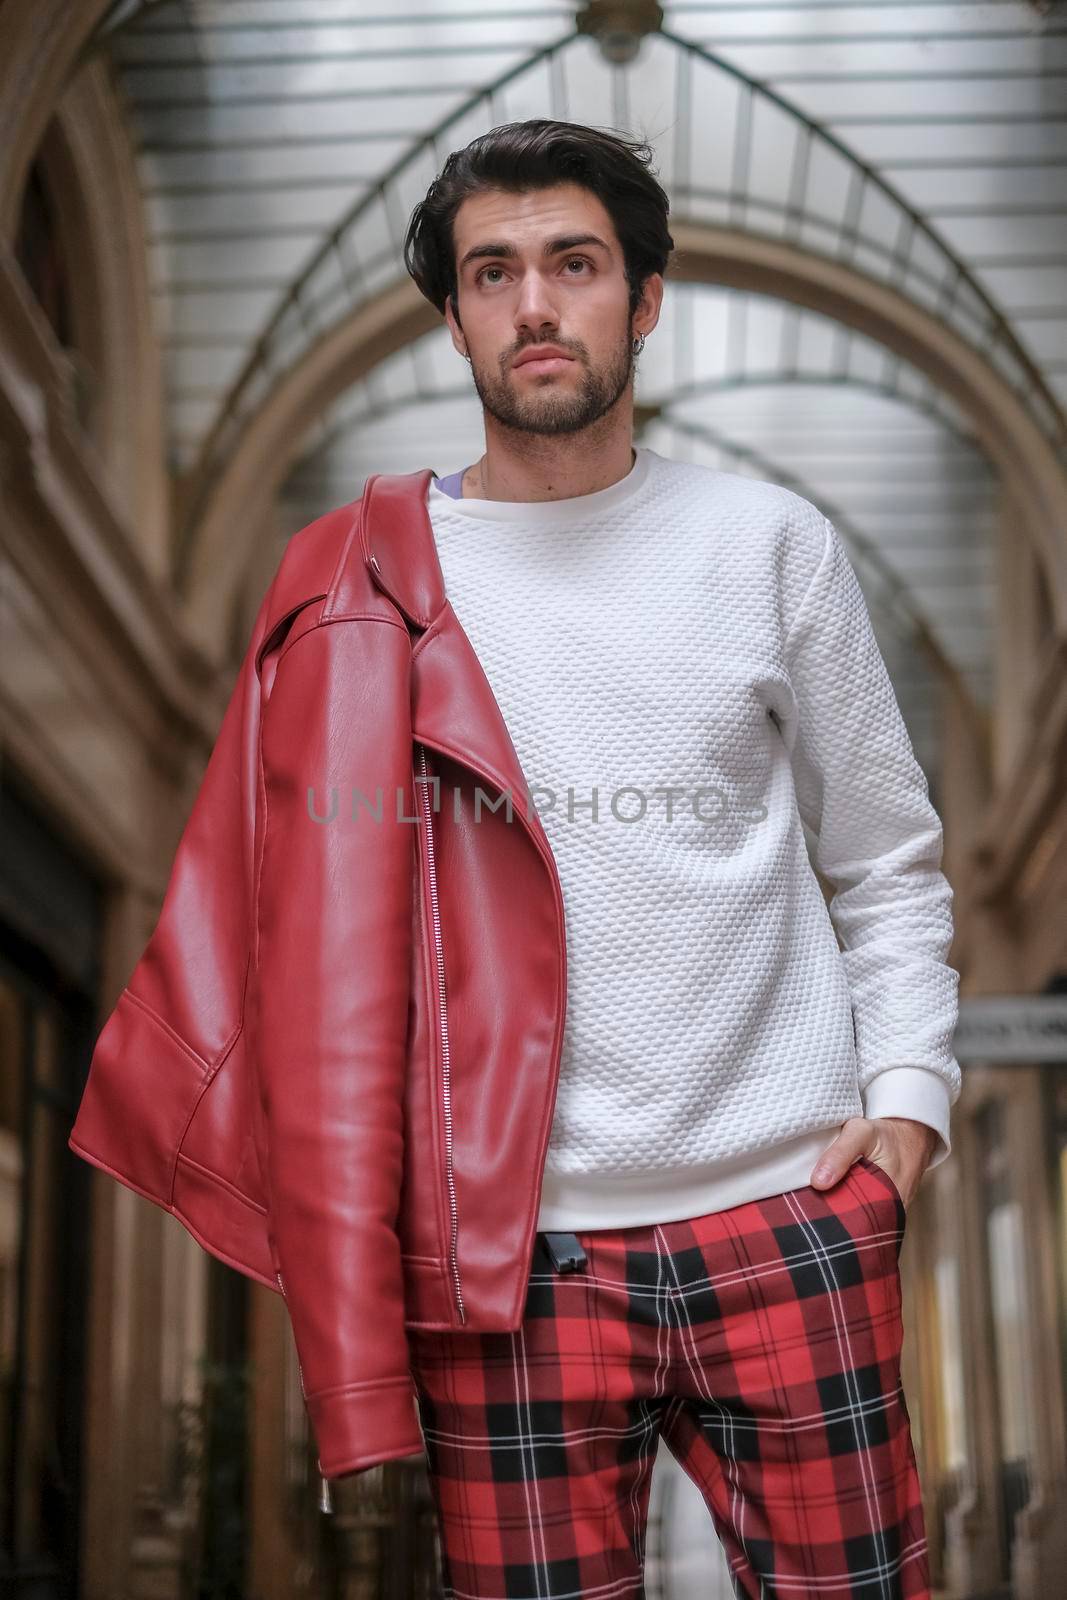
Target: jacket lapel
point(453, 709)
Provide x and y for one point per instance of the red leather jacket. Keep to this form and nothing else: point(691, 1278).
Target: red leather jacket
point(336, 1059)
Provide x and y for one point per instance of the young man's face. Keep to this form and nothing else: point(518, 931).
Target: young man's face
point(545, 268)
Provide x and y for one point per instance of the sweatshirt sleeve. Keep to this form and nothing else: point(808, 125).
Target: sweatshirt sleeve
point(878, 841)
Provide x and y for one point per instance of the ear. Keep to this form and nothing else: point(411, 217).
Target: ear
point(454, 328)
point(648, 308)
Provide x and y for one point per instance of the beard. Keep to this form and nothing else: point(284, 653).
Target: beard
point(552, 405)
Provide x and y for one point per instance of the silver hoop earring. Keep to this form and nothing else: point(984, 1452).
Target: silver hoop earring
point(639, 344)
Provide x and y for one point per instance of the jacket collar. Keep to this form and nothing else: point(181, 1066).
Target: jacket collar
point(398, 546)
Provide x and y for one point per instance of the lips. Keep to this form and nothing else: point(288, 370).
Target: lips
point(549, 364)
point(543, 361)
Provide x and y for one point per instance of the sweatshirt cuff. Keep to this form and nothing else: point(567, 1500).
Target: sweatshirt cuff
point(914, 1092)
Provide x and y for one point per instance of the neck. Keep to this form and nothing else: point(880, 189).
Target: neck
point(526, 467)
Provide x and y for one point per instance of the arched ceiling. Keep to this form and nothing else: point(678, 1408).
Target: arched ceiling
point(282, 144)
point(263, 125)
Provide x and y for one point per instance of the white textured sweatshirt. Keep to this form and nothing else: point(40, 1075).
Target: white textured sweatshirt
point(686, 667)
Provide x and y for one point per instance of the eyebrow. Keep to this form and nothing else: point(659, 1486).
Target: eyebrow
point(553, 247)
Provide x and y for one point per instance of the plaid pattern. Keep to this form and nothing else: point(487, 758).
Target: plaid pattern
point(762, 1342)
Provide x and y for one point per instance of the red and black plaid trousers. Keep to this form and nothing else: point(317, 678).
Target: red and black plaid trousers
point(762, 1342)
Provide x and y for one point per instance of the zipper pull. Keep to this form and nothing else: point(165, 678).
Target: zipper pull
point(325, 1500)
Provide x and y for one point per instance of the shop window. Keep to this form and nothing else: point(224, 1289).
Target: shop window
point(43, 257)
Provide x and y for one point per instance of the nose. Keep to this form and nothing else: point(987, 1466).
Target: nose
point(535, 311)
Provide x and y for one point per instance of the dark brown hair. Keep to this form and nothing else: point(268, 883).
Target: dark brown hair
point(538, 154)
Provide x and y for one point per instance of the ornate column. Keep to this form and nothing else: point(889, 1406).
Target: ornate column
point(1040, 1550)
point(971, 1553)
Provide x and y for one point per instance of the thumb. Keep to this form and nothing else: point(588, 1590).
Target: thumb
point(849, 1145)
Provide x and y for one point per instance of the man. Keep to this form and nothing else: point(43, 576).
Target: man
point(719, 1240)
point(563, 1195)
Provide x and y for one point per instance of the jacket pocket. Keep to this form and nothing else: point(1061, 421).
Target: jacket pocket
point(143, 1086)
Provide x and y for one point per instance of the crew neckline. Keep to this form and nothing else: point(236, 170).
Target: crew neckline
point(572, 508)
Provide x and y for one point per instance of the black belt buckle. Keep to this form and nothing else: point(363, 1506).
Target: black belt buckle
point(564, 1251)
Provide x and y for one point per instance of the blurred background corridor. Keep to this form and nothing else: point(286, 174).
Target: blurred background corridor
point(207, 338)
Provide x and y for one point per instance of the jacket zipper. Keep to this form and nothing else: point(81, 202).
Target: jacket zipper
point(443, 1013)
point(325, 1502)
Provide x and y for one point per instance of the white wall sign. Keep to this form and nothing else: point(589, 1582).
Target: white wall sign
point(1025, 1028)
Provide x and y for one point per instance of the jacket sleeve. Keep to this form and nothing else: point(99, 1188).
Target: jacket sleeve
point(878, 841)
point(180, 1014)
point(331, 986)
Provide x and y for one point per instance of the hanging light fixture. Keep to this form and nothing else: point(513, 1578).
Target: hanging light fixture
point(618, 26)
